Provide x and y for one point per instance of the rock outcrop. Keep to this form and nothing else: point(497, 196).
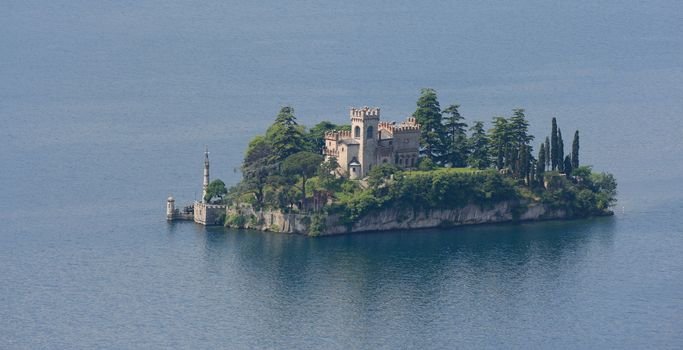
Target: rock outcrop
point(394, 218)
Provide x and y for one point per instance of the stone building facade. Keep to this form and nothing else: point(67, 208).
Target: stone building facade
point(372, 142)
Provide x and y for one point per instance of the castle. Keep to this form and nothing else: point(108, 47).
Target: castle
point(372, 142)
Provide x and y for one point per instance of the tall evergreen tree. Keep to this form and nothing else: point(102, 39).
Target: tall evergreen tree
point(560, 151)
point(285, 135)
point(575, 150)
point(479, 156)
point(519, 128)
point(455, 140)
point(554, 151)
point(547, 152)
point(541, 160)
point(500, 142)
point(568, 165)
point(428, 115)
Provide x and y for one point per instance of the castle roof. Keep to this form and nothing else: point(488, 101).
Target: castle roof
point(349, 142)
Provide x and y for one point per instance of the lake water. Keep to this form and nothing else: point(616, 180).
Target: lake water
point(105, 109)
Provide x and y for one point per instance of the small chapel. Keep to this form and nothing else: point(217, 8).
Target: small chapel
point(372, 142)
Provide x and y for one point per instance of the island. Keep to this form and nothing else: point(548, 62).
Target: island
point(430, 170)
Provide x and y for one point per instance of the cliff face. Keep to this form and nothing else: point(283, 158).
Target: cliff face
point(402, 218)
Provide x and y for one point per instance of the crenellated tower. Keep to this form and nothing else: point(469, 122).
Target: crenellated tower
point(364, 128)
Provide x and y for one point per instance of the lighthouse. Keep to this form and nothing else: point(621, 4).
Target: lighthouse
point(205, 186)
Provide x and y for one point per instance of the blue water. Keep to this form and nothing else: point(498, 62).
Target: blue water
point(105, 108)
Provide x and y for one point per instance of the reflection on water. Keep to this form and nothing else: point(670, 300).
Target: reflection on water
point(367, 281)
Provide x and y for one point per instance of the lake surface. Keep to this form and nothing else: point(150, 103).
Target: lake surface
point(105, 110)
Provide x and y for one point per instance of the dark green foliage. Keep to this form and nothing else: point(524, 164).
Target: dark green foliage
point(216, 189)
point(500, 137)
point(315, 137)
point(428, 115)
point(425, 164)
point(567, 165)
point(455, 140)
point(554, 154)
point(590, 194)
point(285, 135)
point(560, 151)
point(257, 167)
point(479, 156)
point(540, 167)
point(547, 153)
point(302, 165)
point(575, 150)
point(379, 175)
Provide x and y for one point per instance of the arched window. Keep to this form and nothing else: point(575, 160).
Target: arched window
point(370, 135)
point(356, 132)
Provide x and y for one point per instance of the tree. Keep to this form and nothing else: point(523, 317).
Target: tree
point(568, 165)
point(547, 153)
point(327, 174)
point(315, 138)
point(554, 153)
point(519, 128)
point(285, 135)
point(455, 139)
point(379, 174)
point(575, 150)
point(428, 115)
point(560, 151)
point(257, 167)
point(303, 165)
point(540, 166)
point(479, 147)
point(216, 189)
point(500, 139)
point(605, 186)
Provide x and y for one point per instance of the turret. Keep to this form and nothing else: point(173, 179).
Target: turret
point(364, 128)
point(170, 208)
point(205, 186)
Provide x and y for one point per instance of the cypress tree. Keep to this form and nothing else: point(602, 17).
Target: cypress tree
point(568, 165)
point(560, 151)
point(575, 150)
point(547, 152)
point(541, 160)
point(553, 146)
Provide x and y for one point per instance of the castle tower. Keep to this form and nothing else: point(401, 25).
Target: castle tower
point(170, 208)
point(364, 129)
point(205, 186)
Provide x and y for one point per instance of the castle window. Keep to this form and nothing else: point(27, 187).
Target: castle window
point(356, 132)
point(370, 131)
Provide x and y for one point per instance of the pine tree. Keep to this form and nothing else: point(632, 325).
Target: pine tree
point(428, 115)
point(554, 151)
point(455, 140)
point(479, 147)
point(285, 135)
point(575, 150)
point(560, 151)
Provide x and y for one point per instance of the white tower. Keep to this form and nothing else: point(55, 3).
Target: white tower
point(170, 208)
point(206, 173)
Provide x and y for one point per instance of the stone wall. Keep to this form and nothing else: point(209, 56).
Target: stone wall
point(401, 218)
point(208, 214)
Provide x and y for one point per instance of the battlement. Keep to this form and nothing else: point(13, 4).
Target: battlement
point(365, 113)
point(410, 125)
point(337, 135)
point(406, 128)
